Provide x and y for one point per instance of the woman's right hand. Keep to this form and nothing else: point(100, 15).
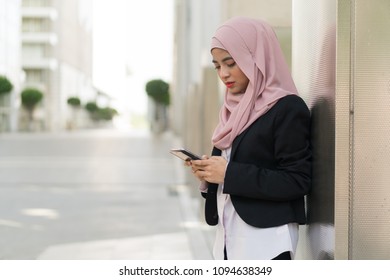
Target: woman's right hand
point(211, 169)
point(194, 168)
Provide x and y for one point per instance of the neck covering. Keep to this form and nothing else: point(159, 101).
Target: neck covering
point(255, 48)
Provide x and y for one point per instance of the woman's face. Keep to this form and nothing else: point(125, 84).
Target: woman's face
point(229, 72)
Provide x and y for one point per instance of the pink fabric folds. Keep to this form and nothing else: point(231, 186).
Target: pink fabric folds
point(255, 48)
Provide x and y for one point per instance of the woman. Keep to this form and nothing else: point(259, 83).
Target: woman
point(260, 169)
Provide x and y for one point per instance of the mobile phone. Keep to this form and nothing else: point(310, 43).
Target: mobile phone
point(184, 154)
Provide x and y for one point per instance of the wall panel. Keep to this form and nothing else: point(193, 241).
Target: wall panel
point(370, 188)
point(341, 64)
point(313, 67)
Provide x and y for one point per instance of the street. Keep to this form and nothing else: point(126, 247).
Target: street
point(70, 188)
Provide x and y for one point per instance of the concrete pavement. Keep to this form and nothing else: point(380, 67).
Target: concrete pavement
point(160, 217)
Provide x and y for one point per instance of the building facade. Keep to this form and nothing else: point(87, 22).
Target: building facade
point(57, 57)
point(10, 61)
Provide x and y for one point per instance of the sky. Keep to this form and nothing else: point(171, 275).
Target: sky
point(133, 43)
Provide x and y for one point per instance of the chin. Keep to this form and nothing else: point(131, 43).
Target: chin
point(236, 92)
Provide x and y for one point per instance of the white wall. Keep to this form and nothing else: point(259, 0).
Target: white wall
point(10, 65)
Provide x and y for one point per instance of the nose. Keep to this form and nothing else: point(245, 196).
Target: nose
point(224, 72)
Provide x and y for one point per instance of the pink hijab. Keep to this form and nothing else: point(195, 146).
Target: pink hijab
point(255, 48)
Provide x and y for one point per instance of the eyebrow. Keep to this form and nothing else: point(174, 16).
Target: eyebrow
point(223, 60)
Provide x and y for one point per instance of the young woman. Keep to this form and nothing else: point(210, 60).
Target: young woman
point(260, 169)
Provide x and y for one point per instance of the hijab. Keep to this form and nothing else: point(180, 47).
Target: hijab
point(255, 48)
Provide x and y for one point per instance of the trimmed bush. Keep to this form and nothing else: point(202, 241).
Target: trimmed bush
point(158, 90)
point(74, 101)
point(31, 97)
point(5, 85)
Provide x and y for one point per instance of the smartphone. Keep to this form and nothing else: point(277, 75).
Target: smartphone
point(184, 154)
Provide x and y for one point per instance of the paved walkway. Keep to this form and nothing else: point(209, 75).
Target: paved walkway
point(137, 166)
point(192, 243)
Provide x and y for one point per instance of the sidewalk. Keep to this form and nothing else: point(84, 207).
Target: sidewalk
point(193, 241)
point(191, 244)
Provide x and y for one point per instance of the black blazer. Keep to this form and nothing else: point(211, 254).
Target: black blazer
point(269, 172)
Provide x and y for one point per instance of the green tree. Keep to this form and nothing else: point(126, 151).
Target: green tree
point(30, 99)
point(158, 90)
point(92, 109)
point(74, 101)
point(100, 114)
point(5, 85)
point(5, 88)
point(106, 113)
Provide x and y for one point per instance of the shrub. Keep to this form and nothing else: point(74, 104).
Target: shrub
point(74, 101)
point(31, 97)
point(106, 113)
point(5, 85)
point(158, 90)
point(97, 113)
point(91, 107)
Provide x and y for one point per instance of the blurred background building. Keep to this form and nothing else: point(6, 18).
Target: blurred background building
point(10, 61)
point(57, 55)
point(46, 45)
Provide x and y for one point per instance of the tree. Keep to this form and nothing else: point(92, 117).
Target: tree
point(106, 113)
point(100, 113)
point(158, 90)
point(5, 85)
point(5, 88)
point(74, 101)
point(92, 109)
point(30, 98)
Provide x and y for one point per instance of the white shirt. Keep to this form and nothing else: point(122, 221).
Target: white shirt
point(246, 242)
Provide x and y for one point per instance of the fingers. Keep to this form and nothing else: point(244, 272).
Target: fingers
point(196, 168)
point(199, 164)
point(200, 174)
point(199, 167)
point(211, 170)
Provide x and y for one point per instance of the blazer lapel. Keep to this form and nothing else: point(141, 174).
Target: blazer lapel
point(211, 210)
point(236, 142)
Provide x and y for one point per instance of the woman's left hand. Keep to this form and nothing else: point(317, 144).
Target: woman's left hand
point(211, 170)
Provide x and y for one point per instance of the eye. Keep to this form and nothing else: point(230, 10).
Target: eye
point(231, 64)
point(217, 67)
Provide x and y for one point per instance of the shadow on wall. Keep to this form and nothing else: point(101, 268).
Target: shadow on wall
point(321, 201)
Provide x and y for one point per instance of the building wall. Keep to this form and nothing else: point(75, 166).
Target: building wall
point(57, 56)
point(194, 23)
point(341, 65)
point(10, 61)
point(314, 68)
point(362, 157)
point(75, 55)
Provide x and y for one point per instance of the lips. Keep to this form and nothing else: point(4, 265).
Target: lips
point(229, 84)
